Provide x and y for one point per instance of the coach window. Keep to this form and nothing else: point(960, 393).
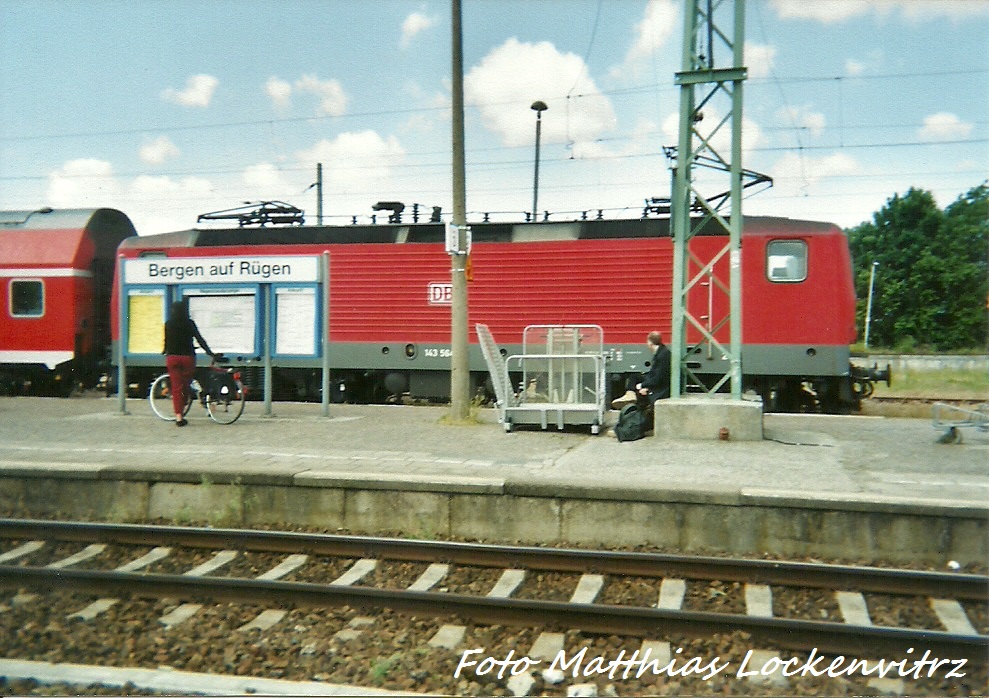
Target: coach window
point(27, 298)
point(786, 261)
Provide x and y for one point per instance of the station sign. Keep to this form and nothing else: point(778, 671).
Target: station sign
point(222, 270)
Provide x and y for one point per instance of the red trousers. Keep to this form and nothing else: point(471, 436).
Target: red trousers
point(181, 370)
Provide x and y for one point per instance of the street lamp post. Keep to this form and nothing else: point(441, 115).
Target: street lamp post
point(539, 107)
point(868, 304)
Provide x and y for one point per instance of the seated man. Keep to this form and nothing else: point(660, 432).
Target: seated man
point(655, 383)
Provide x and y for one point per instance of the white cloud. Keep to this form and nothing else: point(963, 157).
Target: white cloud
point(824, 11)
point(163, 186)
point(760, 59)
point(279, 91)
point(652, 33)
point(654, 30)
point(82, 183)
point(944, 126)
point(435, 108)
point(355, 161)
point(872, 63)
point(803, 117)
point(156, 204)
point(828, 187)
point(162, 204)
point(332, 98)
point(264, 181)
point(198, 91)
point(835, 11)
point(955, 10)
point(158, 151)
point(514, 75)
point(794, 174)
point(853, 67)
point(415, 24)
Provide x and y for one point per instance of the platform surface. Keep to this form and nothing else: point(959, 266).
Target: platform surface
point(860, 460)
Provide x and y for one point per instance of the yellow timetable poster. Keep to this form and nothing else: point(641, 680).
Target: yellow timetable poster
point(146, 322)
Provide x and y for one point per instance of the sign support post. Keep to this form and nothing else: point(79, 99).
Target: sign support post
point(121, 368)
point(324, 333)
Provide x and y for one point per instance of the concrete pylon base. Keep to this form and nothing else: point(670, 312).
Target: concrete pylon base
point(708, 418)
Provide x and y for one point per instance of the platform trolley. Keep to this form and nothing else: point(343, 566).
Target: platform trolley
point(563, 376)
point(952, 420)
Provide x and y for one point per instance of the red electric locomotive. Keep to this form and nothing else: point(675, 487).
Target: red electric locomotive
point(56, 270)
point(380, 297)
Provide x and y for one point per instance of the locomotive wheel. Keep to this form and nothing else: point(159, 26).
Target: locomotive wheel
point(783, 397)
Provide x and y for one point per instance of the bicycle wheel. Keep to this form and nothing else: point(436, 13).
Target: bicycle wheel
point(225, 405)
point(160, 397)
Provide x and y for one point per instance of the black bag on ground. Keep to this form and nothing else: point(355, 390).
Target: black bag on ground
point(633, 423)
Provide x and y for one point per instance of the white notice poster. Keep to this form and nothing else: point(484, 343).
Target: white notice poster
point(228, 321)
point(295, 327)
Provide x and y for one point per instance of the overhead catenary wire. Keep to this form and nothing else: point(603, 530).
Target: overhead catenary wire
point(643, 88)
point(788, 111)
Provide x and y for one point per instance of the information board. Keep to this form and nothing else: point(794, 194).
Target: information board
point(145, 321)
point(226, 319)
point(295, 326)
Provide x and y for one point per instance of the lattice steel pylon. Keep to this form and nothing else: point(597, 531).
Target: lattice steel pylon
point(710, 144)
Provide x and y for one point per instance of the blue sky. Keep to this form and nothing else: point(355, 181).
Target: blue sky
point(173, 108)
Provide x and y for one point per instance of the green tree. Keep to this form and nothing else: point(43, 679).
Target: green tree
point(931, 281)
point(965, 241)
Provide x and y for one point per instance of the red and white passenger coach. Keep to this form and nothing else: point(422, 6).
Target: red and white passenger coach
point(56, 271)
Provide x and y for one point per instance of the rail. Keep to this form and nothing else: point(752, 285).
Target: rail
point(854, 639)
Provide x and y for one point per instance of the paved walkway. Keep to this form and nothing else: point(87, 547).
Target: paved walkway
point(850, 459)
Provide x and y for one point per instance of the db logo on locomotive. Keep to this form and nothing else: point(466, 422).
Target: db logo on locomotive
point(440, 293)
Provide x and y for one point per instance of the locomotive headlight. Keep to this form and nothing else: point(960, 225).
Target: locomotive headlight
point(411, 351)
point(812, 352)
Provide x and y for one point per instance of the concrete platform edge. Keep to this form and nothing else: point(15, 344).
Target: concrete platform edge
point(750, 522)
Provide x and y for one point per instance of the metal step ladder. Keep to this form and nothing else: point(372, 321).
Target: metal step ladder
point(562, 371)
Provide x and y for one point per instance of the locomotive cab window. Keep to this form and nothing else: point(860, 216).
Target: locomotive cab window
point(27, 298)
point(786, 261)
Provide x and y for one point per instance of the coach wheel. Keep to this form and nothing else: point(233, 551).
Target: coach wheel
point(771, 399)
point(160, 397)
point(62, 384)
point(785, 396)
point(9, 385)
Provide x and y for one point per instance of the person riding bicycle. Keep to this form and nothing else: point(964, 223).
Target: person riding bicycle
point(180, 355)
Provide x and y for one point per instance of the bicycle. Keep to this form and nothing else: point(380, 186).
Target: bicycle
point(223, 396)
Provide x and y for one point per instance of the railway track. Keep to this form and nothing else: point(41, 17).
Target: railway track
point(586, 610)
point(922, 400)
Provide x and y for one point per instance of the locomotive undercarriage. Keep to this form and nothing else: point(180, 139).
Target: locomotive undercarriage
point(793, 394)
point(825, 394)
point(815, 394)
